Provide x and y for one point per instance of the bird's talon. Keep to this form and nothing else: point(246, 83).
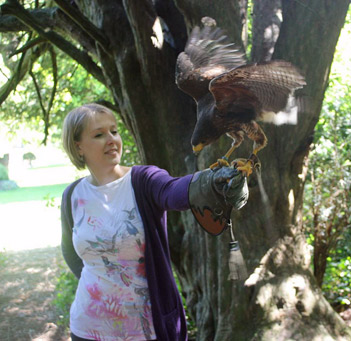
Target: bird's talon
point(220, 163)
point(255, 162)
point(257, 167)
point(239, 162)
point(246, 169)
point(254, 158)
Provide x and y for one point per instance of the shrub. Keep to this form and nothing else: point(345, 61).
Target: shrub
point(7, 185)
point(65, 291)
point(3, 257)
point(337, 283)
point(3, 173)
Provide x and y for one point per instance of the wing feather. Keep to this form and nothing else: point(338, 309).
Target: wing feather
point(207, 54)
point(269, 85)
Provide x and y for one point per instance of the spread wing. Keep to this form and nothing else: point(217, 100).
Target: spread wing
point(266, 87)
point(207, 54)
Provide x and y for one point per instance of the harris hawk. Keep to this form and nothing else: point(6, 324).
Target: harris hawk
point(231, 95)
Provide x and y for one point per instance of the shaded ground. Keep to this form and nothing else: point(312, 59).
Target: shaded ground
point(27, 284)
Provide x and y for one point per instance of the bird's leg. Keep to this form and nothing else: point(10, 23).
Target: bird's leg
point(223, 161)
point(255, 133)
point(254, 158)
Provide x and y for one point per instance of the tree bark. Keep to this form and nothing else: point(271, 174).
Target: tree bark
point(280, 300)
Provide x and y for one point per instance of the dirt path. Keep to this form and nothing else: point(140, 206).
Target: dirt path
point(27, 284)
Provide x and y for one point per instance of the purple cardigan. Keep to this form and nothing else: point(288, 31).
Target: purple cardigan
point(155, 192)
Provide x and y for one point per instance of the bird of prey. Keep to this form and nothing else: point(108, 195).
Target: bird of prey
point(231, 95)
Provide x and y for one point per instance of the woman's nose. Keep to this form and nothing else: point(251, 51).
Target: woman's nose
point(111, 138)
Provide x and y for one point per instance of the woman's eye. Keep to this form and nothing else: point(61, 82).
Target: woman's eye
point(114, 132)
point(98, 135)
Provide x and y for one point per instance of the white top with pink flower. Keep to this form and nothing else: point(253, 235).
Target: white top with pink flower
point(112, 300)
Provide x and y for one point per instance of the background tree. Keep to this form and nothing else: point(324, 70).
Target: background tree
point(327, 212)
point(131, 46)
point(30, 157)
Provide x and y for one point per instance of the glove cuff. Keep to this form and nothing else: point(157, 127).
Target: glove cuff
point(208, 206)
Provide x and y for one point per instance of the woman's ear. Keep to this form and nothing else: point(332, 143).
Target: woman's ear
point(77, 145)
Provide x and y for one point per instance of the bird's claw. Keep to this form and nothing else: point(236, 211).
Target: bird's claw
point(246, 169)
point(223, 162)
point(256, 162)
point(247, 165)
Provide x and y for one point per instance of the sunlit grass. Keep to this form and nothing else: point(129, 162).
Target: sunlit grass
point(45, 167)
point(32, 193)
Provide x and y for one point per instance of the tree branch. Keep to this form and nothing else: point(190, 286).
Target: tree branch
point(9, 23)
point(22, 68)
point(52, 18)
point(14, 8)
point(46, 111)
point(55, 78)
point(37, 90)
point(28, 45)
point(84, 23)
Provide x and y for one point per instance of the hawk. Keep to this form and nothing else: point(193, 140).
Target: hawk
point(231, 95)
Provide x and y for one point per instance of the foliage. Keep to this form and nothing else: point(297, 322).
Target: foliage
point(327, 209)
point(3, 257)
point(337, 282)
point(192, 329)
point(51, 201)
point(3, 173)
point(29, 156)
point(65, 291)
point(75, 87)
point(74, 84)
point(7, 185)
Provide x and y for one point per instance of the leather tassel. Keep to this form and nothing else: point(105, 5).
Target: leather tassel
point(237, 266)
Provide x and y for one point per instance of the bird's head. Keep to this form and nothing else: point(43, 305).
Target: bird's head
point(205, 133)
point(209, 126)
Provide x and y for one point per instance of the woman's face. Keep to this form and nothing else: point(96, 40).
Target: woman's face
point(100, 144)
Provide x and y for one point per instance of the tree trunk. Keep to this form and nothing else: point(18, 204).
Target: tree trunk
point(280, 300)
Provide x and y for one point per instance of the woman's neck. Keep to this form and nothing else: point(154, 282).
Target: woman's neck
point(103, 177)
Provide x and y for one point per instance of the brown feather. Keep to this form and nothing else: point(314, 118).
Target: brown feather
point(231, 94)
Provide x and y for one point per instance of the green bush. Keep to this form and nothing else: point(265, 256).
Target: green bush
point(65, 291)
point(3, 257)
point(337, 283)
point(3, 173)
point(7, 185)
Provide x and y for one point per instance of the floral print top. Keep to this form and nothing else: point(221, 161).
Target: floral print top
point(112, 299)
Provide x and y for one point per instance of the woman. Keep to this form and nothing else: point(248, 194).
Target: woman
point(114, 237)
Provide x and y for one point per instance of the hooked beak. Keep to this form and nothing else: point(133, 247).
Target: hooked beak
point(197, 149)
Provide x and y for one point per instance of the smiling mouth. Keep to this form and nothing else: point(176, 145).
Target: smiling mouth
point(112, 151)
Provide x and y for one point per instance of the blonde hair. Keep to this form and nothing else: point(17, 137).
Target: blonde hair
point(73, 126)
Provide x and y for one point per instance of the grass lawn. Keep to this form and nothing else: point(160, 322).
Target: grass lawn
point(30, 214)
point(39, 183)
point(32, 193)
